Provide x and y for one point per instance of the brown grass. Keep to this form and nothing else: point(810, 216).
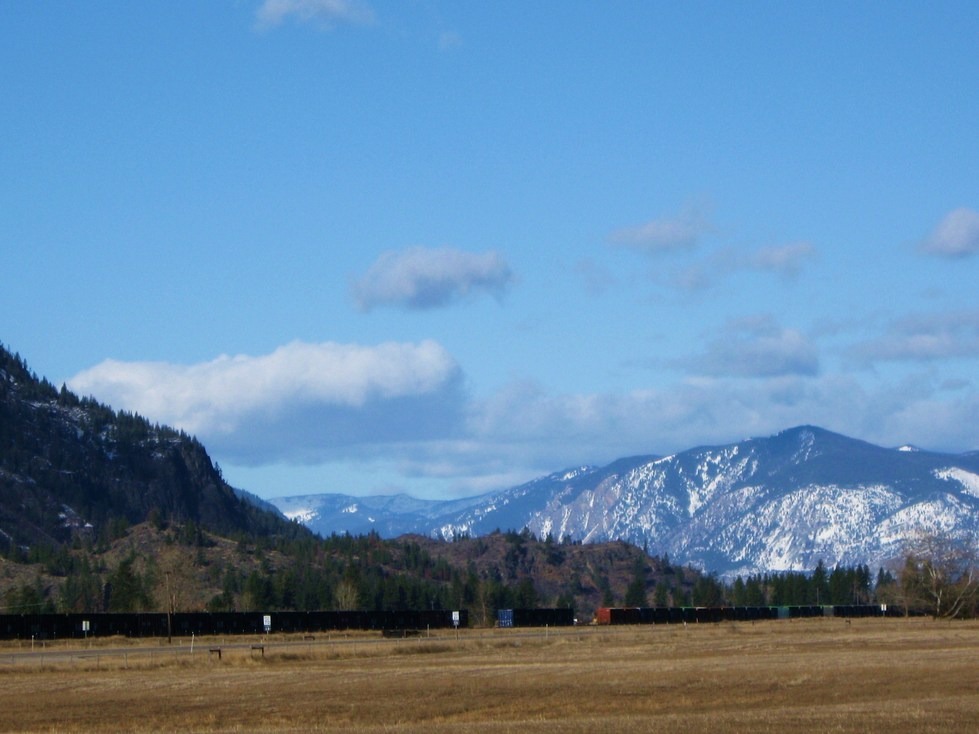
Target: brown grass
point(824, 675)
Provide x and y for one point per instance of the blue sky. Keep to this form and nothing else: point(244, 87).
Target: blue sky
point(444, 247)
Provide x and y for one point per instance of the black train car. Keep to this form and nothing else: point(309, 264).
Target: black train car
point(654, 615)
point(324, 621)
point(545, 617)
point(803, 611)
point(444, 618)
point(694, 615)
point(864, 610)
point(80, 625)
point(753, 614)
point(625, 615)
point(709, 615)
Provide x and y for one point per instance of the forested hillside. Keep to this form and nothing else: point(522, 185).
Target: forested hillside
point(71, 467)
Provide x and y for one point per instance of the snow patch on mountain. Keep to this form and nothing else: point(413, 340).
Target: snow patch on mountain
point(807, 443)
point(304, 516)
point(716, 473)
point(968, 480)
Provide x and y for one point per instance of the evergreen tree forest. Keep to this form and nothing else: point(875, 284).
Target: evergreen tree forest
point(191, 570)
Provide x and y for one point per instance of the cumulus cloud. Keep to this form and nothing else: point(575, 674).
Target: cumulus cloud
point(423, 278)
point(783, 260)
point(325, 13)
point(400, 410)
point(755, 347)
point(923, 337)
point(526, 426)
point(300, 402)
point(525, 430)
point(682, 232)
point(956, 236)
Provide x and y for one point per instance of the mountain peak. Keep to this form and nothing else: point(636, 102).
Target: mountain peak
point(779, 503)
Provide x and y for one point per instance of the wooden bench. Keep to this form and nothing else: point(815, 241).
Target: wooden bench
point(213, 650)
point(259, 647)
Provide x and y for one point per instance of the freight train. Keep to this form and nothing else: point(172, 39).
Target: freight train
point(689, 615)
point(560, 617)
point(185, 624)
point(684, 615)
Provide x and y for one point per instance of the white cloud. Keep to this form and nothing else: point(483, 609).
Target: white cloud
point(755, 347)
point(300, 402)
point(422, 278)
point(399, 410)
point(956, 236)
point(525, 426)
point(923, 337)
point(682, 232)
point(783, 260)
point(325, 13)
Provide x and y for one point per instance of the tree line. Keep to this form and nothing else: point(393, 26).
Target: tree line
point(341, 572)
point(345, 572)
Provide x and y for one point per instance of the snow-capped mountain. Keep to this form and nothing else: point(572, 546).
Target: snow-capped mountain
point(765, 504)
point(387, 515)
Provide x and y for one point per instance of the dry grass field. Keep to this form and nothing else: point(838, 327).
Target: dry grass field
point(816, 675)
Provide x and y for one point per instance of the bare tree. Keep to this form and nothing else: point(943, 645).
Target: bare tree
point(345, 596)
point(941, 574)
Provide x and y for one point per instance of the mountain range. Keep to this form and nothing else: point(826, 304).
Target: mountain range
point(776, 503)
point(71, 468)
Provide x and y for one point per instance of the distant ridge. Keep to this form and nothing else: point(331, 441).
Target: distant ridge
point(775, 503)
